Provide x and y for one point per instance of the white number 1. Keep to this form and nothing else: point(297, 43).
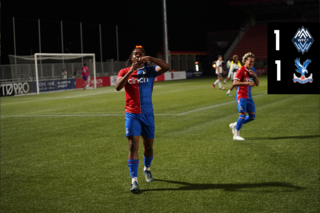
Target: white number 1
point(278, 62)
point(277, 32)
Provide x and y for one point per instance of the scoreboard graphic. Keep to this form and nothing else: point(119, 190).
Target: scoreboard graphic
point(294, 58)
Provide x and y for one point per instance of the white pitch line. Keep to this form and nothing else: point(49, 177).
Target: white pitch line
point(216, 105)
point(106, 115)
point(77, 95)
point(90, 115)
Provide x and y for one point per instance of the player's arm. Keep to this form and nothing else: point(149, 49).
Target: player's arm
point(217, 68)
point(230, 70)
point(121, 81)
point(236, 82)
point(256, 79)
point(162, 65)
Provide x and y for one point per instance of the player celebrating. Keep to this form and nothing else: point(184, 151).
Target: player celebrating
point(138, 81)
point(85, 74)
point(246, 77)
point(234, 66)
point(219, 72)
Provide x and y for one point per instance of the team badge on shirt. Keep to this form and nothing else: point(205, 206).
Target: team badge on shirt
point(302, 40)
point(302, 69)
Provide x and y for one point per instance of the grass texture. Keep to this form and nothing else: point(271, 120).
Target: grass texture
point(67, 152)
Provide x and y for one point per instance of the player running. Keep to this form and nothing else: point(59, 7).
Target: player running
point(234, 66)
point(138, 81)
point(219, 72)
point(246, 77)
point(85, 74)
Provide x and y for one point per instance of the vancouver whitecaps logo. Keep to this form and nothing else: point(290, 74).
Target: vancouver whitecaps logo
point(302, 40)
point(302, 69)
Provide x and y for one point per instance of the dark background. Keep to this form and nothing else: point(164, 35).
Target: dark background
point(192, 24)
point(139, 23)
point(287, 54)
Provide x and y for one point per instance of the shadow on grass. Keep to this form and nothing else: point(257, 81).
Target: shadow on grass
point(284, 137)
point(241, 187)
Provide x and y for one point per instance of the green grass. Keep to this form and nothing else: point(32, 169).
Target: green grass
point(67, 152)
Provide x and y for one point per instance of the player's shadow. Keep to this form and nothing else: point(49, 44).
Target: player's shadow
point(266, 187)
point(283, 137)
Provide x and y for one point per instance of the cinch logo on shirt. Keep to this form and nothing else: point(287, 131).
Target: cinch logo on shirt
point(135, 80)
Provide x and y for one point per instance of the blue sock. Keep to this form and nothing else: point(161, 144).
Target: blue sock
point(133, 167)
point(249, 118)
point(240, 122)
point(147, 161)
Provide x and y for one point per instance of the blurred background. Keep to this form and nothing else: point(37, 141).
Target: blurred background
point(197, 31)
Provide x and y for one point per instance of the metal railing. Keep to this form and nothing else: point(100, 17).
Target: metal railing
point(25, 72)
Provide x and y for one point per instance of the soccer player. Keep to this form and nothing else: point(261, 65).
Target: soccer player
point(219, 72)
point(75, 73)
point(228, 67)
point(234, 66)
point(85, 74)
point(138, 81)
point(64, 74)
point(246, 77)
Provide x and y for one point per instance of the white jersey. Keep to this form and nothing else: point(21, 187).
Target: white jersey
point(233, 70)
point(219, 66)
point(64, 75)
point(228, 64)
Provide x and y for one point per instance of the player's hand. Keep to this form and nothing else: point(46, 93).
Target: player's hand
point(251, 72)
point(134, 66)
point(143, 59)
point(252, 84)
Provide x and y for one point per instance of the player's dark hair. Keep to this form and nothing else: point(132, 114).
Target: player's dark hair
point(129, 61)
point(84, 64)
point(234, 57)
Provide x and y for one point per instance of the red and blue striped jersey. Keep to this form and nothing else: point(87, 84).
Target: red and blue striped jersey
point(244, 76)
point(84, 71)
point(138, 89)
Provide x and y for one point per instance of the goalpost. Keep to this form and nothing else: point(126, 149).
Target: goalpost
point(43, 72)
point(63, 57)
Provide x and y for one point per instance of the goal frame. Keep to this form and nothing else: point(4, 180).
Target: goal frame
point(64, 54)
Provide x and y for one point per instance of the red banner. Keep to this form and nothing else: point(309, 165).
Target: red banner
point(160, 78)
point(101, 82)
point(262, 71)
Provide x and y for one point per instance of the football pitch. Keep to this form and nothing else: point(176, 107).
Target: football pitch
point(67, 152)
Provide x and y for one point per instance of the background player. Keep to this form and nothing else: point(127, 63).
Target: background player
point(234, 66)
point(64, 74)
point(219, 72)
point(245, 78)
point(138, 81)
point(228, 67)
point(85, 74)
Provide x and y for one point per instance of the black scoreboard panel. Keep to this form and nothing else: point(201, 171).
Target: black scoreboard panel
point(294, 58)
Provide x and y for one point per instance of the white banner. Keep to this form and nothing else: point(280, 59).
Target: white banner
point(113, 80)
point(175, 75)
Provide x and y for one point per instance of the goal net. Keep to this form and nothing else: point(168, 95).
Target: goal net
point(44, 72)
